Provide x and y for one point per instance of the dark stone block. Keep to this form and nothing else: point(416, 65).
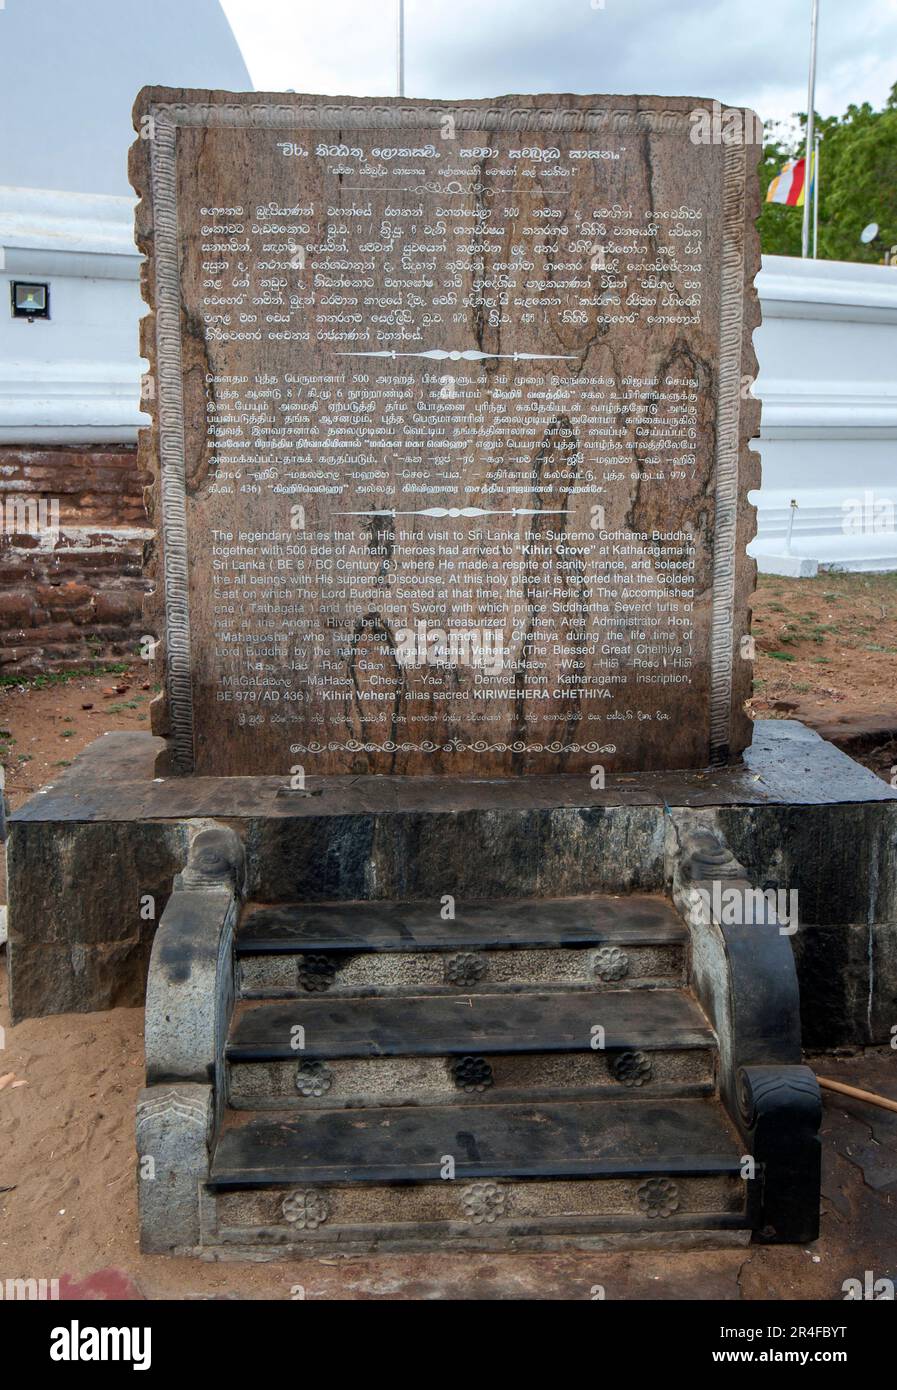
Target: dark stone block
point(68, 977)
point(843, 877)
point(799, 813)
point(84, 883)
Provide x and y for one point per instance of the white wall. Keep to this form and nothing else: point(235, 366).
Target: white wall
point(827, 350)
point(72, 378)
point(71, 72)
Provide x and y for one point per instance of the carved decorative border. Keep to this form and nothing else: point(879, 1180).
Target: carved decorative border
point(168, 116)
point(178, 676)
point(274, 116)
point(728, 451)
point(455, 745)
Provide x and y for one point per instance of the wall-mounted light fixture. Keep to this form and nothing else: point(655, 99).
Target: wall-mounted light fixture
point(30, 300)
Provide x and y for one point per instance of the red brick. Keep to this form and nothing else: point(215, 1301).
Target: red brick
point(16, 608)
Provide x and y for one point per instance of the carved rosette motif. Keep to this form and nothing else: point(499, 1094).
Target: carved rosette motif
point(465, 969)
point(313, 1079)
point(472, 1074)
point(658, 1197)
point(316, 973)
point(306, 1209)
point(632, 1068)
point(609, 963)
point(483, 1202)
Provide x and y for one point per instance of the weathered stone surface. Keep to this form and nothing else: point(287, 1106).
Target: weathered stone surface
point(481, 853)
point(450, 435)
point(786, 765)
point(173, 1131)
point(190, 985)
point(85, 898)
point(428, 1081)
point(479, 1204)
point(798, 807)
point(850, 879)
point(71, 977)
point(73, 596)
point(848, 982)
point(68, 893)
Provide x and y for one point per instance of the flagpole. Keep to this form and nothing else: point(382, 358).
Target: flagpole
point(816, 198)
point(811, 110)
point(400, 48)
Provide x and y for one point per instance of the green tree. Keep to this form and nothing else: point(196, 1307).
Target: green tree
point(780, 227)
point(858, 184)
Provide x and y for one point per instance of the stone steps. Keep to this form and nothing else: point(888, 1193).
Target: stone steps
point(358, 1081)
point(385, 1094)
point(562, 1030)
point(431, 1050)
point(602, 1214)
point(362, 949)
point(427, 1027)
point(510, 1174)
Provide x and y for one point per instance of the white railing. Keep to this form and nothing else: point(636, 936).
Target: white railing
point(827, 350)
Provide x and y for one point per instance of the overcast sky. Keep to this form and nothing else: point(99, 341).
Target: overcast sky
point(747, 52)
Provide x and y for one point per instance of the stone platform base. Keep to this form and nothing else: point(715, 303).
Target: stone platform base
point(92, 858)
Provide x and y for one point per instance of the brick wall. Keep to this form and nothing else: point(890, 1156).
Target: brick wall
point(72, 597)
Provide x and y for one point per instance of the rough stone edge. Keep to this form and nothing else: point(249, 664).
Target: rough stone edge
point(147, 438)
point(547, 111)
point(190, 997)
point(746, 980)
point(190, 987)
point(749, 460)
point(784, 760)
point(174, 1128)
point(737, 465)
point(160, 449)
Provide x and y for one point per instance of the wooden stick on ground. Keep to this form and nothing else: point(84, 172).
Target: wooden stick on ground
point(857, 1094)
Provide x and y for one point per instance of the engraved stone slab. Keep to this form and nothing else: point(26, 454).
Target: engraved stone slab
point(451, 417)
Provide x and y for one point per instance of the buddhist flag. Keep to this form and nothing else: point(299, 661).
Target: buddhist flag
point(789, 186)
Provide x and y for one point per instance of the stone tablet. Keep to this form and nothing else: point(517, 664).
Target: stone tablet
point(451, 417)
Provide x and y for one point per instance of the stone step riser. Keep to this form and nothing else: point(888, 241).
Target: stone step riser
point(385, 1081)
point(463, 1212)
point(394, 972)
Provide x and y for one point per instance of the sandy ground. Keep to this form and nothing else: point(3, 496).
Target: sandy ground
point(44, 726)
point(827, 653)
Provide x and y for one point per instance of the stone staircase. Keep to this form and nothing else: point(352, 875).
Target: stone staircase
point(530, 1074)
point(525, 1071)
